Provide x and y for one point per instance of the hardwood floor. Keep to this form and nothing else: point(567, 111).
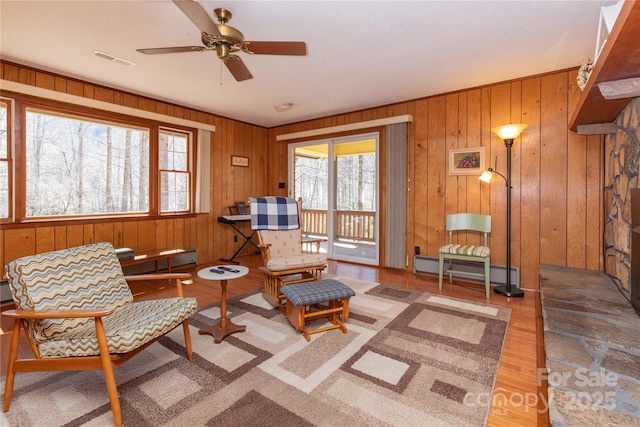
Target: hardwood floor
point(517, 395)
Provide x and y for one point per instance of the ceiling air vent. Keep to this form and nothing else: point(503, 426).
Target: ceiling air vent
point(112, 58)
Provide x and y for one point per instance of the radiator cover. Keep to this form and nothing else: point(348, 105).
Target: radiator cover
point(424, 264)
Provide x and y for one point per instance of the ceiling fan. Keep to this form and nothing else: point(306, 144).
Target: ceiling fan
point(226, 40)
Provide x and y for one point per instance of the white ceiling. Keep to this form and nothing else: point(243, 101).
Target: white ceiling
point(361, 54)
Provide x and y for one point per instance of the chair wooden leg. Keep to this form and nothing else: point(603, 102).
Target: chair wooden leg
point(13, 355)
point(107, 368)
point(187, 340)
point(487, 277)
point(440, 271)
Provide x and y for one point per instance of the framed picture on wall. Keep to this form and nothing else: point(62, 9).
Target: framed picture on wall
point(240, 161)
point(466, 161)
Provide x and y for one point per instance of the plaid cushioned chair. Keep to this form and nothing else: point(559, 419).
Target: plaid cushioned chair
point(78, 314)
point(279, 232)
point(477, 253)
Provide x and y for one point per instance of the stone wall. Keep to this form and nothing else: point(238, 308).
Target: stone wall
point(622, 162)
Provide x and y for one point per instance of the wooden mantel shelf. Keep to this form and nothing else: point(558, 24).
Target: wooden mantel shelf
point(619, 59)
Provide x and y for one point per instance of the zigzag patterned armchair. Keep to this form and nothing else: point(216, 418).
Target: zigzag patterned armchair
point(78, 314)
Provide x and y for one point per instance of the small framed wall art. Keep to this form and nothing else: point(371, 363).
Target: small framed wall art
point(466, 161)
point(240, 161)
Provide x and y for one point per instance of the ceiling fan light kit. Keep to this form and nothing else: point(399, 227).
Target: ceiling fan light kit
point(226, 40)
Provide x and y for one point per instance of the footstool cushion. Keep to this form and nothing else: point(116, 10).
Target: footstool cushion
point(301, 296)
point(316, 292)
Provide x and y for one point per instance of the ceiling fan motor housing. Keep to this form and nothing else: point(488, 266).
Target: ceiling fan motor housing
point(230, 40)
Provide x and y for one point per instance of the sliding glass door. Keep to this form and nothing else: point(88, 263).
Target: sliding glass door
point(338, 182)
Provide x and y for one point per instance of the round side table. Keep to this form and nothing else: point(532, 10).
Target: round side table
point(225, 326)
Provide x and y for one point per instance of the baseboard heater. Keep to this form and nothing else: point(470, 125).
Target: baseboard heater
point(424, 264)
point(186, 258)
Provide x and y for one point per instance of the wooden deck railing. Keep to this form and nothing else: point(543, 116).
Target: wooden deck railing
point(350, 225)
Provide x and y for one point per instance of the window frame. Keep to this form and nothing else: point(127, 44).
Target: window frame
point(23, 103)
point(190, 168)
point(9, 105)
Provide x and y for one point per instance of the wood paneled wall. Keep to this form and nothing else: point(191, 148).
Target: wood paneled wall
point(201, 231)
point(557, 175)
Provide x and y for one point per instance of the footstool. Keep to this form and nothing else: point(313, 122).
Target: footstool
point(301, 297)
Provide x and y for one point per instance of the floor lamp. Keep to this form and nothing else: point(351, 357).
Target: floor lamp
point(507, 133)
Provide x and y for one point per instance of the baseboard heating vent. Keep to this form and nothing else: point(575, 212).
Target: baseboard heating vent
point(424, 264)
point(188, 257)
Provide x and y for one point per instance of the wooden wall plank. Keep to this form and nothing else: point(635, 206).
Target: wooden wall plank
point(103, 232)
point(464, 180)
point(160, 235)
point(576, 186)
point(516, 166)
point(418, 189)
point(19, 242)
point(146, 236)
point(553, 170)
point(500, 115)
point(87, 234)
point(436, 158)
point(61, 237)
point(451, 188)
point(530, 184)
point(473, 138)
point(75, 235)
point(594, 202)
point(45, 239)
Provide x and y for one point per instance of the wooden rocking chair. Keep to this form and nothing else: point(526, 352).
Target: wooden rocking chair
point(285, 261)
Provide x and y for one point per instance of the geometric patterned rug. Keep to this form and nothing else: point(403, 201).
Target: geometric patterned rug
point(408, 359)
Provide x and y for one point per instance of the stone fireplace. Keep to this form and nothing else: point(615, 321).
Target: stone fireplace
point(622, 167)
point(635, 249)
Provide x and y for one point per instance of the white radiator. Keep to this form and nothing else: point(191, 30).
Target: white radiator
point(424, 264)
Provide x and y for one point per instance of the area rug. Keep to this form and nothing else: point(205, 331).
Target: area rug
point(408, 359)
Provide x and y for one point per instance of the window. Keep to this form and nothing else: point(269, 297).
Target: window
point(75, 166)
point(175, 171)
point(4, 160)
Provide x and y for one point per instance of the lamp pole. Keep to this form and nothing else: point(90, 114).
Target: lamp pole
point(507, 133)
point(506, 290)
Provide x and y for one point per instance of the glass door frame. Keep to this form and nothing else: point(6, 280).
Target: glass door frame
point(332, 190)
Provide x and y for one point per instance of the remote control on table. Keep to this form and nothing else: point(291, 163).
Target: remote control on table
point(230, 270)
point(215, 270)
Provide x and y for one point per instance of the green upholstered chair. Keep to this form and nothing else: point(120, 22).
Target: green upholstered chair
point(78, 314)
point(475, 253)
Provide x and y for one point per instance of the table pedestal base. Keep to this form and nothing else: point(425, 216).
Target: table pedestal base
point(218, 331)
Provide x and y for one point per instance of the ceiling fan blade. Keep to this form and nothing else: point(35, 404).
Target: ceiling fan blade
point(177, 49)
point(198, 15)
point(237, 68)
point(277, 48)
